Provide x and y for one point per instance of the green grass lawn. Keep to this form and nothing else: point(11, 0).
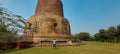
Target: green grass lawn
point(88, 48)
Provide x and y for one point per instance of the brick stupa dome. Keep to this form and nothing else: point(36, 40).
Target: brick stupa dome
point(48, 22)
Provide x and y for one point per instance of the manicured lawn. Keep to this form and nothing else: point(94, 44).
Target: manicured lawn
point(88, 48)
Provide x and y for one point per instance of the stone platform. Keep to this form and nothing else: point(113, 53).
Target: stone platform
point(39, 39)
point(47, 41)
point(58, 44)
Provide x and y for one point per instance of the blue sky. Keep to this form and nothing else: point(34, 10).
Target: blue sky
point(84, 15)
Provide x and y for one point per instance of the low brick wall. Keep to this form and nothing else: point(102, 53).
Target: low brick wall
point(15, 45)
point(4, 46)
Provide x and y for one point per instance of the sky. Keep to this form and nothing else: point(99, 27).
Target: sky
point(83, 15)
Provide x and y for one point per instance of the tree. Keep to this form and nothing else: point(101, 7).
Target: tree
point(112, 34)
point(83, 36)
point(118, 33)
point(97, 37)
point(102, 34)
point(10, 25)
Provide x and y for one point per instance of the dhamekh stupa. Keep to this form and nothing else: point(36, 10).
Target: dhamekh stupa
point(48, 22)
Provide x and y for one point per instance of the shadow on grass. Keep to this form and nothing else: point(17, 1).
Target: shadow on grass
point(55, 48)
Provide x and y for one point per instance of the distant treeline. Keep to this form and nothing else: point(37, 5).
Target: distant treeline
point(112, 34)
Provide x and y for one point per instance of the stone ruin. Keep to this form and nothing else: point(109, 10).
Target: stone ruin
point(47, 23)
